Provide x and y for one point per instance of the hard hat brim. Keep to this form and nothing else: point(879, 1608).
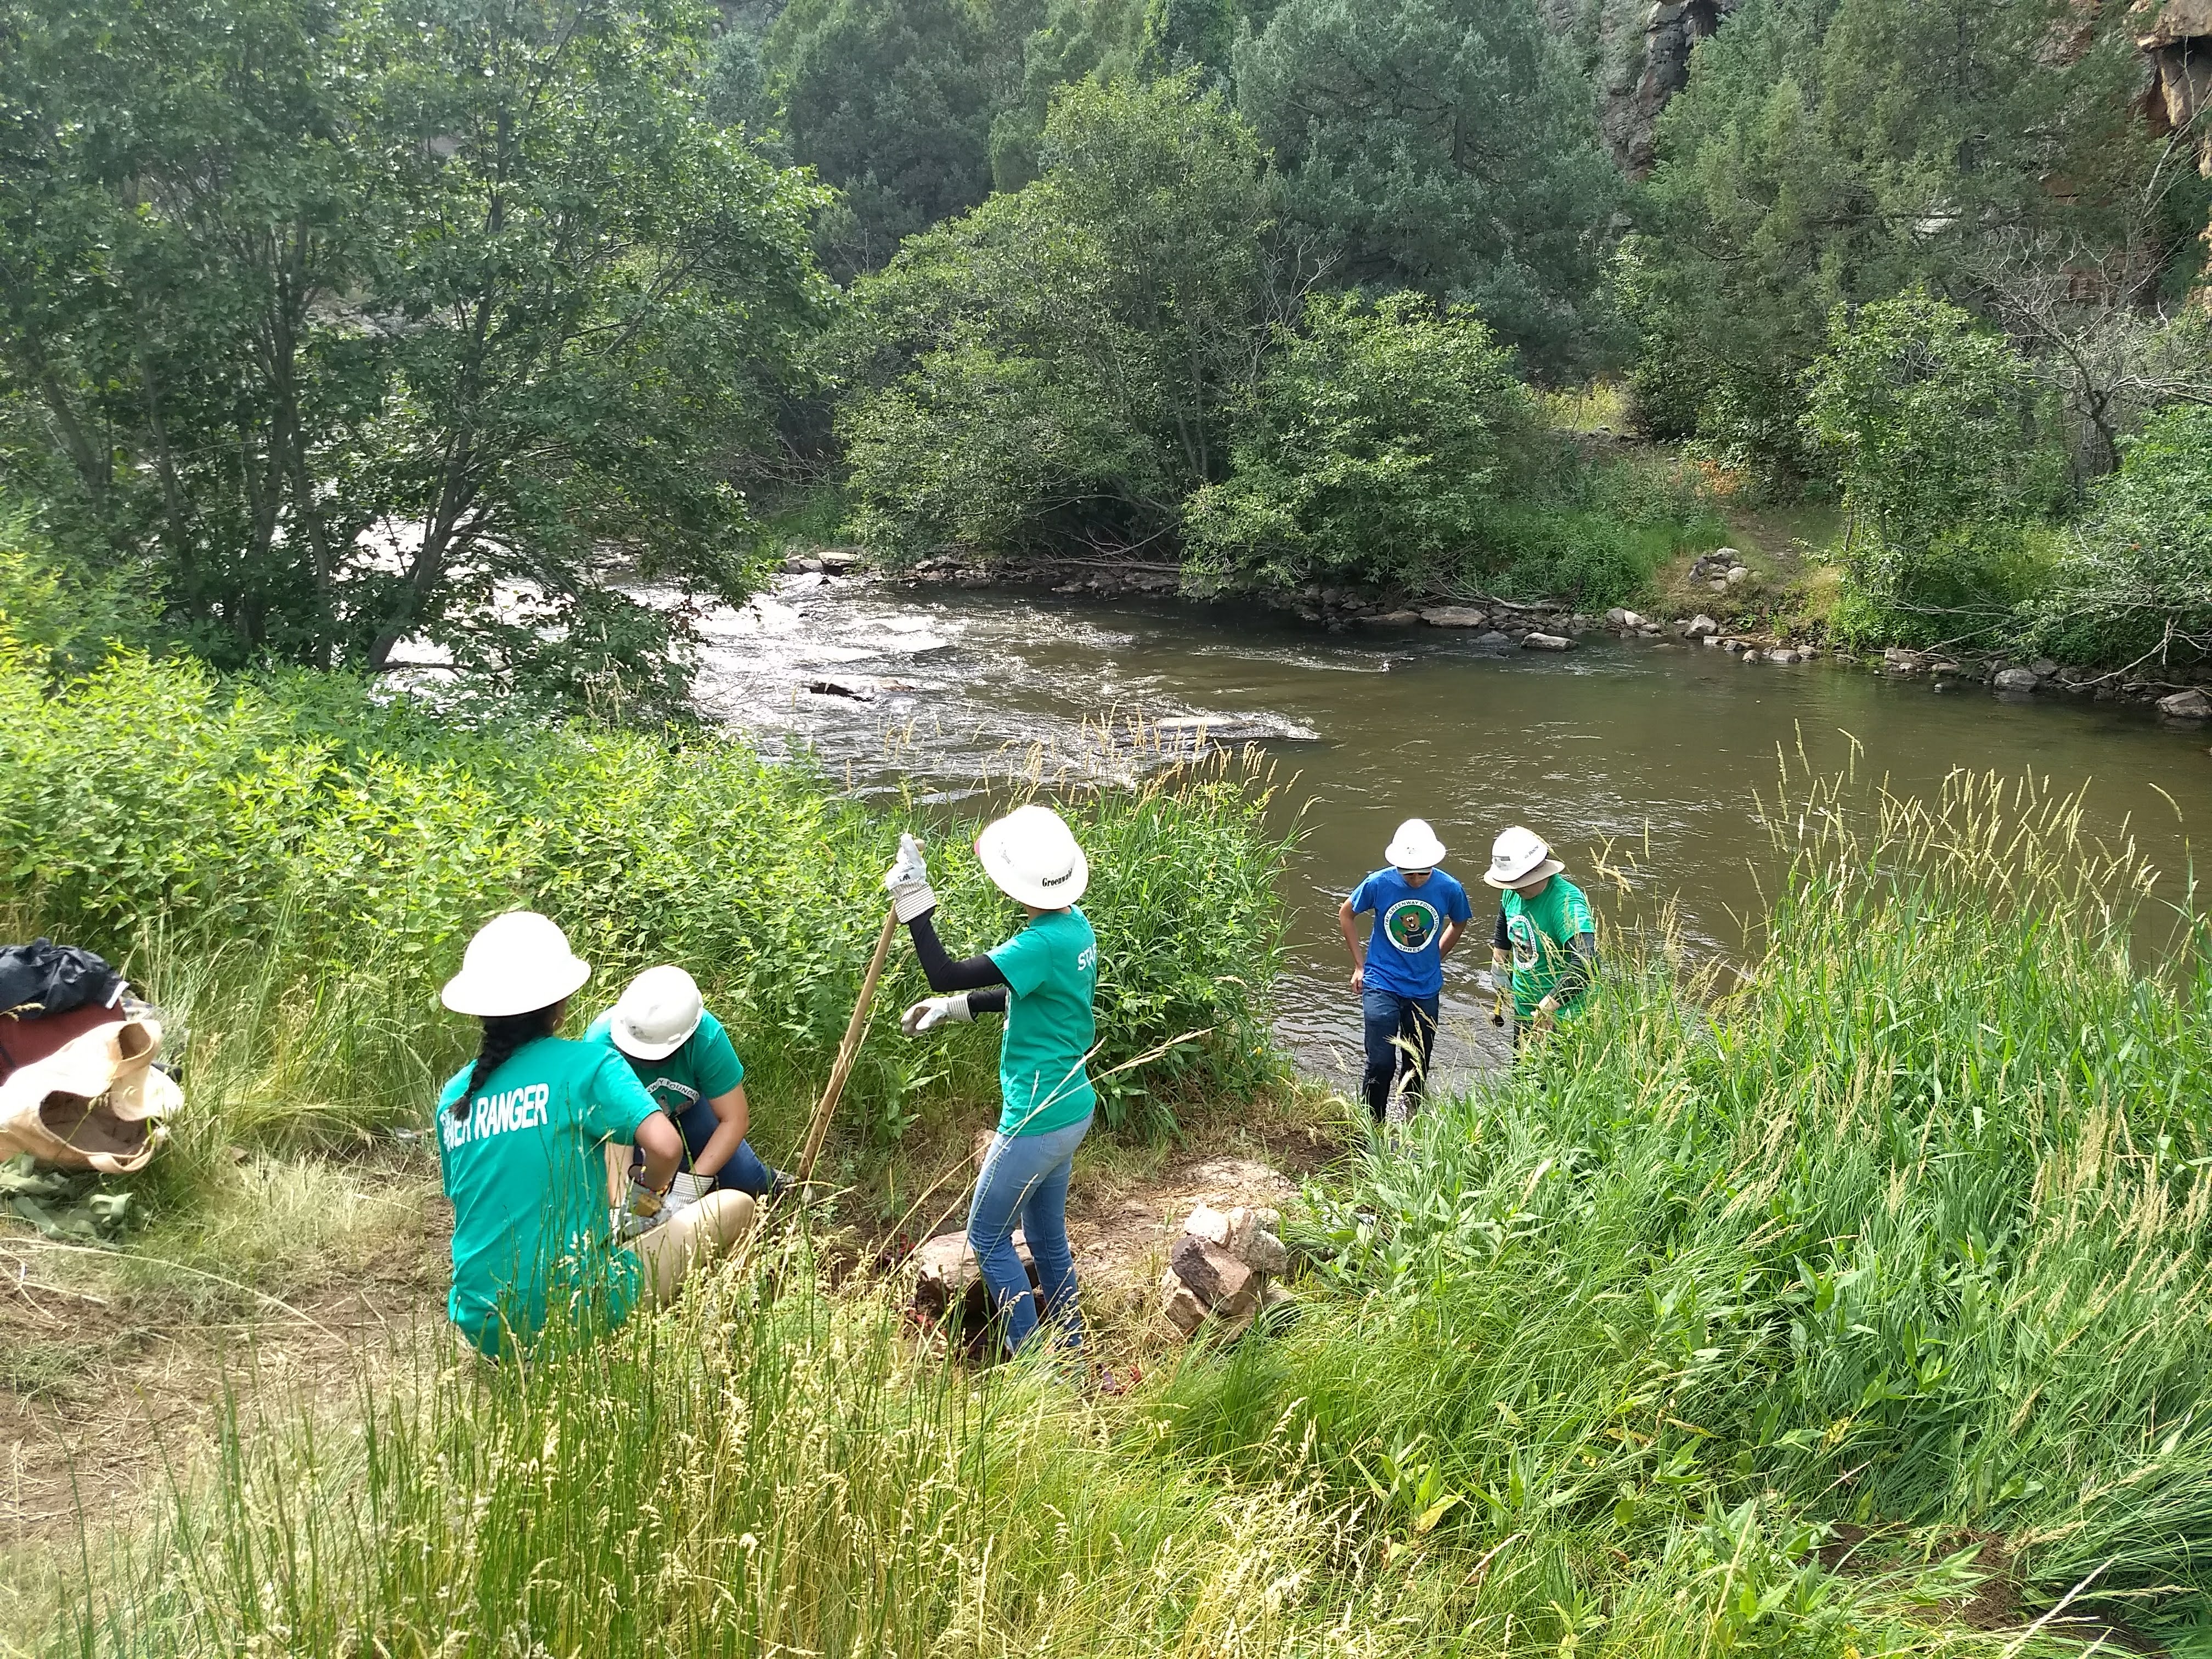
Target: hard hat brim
point(503, 996)
point(1539, 871)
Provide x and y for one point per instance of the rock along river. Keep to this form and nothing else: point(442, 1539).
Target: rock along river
point(1655, 752)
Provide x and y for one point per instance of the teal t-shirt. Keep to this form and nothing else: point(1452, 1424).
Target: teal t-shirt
point(1539, 930)
point(706, 1067)
point(529, 1187)
point(1051, 969)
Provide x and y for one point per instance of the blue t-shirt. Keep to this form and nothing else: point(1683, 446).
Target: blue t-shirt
point(1401, 953)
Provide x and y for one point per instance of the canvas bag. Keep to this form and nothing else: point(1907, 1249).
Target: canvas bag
point(96, 1102)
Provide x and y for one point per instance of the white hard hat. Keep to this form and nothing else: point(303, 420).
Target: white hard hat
point(656, 1014)
point(517, 964)
point(1518, 857)
point(1415, 847)
point(1032, 856)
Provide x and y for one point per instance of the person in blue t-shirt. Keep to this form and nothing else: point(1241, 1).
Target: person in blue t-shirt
point(1419, 914)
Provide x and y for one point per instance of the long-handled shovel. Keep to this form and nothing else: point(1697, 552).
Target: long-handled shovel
point(847, 1051)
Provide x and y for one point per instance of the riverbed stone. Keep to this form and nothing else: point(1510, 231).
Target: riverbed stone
point(1493, 637)
point(1395, 618)
point(2014, 679)
point(2190, 705)
point(1701, 627)
point(1546, 642)
point(1454, 615)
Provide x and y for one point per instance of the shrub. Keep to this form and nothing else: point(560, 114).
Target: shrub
point(1934, 426)
point(2135, 579)
point(1370, 452)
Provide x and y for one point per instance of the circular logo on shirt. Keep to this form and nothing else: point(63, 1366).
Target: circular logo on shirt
point(1410, 924)
point(1522, 932)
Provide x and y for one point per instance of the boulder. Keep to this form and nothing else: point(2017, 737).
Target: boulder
point(1784, 657)
point(1616, 617)
point(2190, 705)
point(1223, 1285)
point(2014, 679)
point(1261, 1251)
point(2042, 668)
point(1493, 637)
point(1456, 616)
point(1737, 575)
point(838, 560)
point(1546, 642)
point(1395, 618)
point(1701, 627)
point(1184, 1310)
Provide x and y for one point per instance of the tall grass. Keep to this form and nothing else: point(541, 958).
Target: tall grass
point(292, 866)
point(1900, 1248)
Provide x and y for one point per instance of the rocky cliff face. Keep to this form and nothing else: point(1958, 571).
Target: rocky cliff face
point(1637, 54)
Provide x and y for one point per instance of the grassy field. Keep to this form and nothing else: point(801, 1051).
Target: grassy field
point(1860, 1309)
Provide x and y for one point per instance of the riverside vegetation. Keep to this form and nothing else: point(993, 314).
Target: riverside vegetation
point(297, 332)
point(1857, 1309)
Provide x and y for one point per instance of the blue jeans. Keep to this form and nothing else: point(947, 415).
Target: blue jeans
point(744, 1173)
point(1024, 1183)
point(1391, 1021)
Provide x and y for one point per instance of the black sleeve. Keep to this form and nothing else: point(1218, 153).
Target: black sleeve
point(1500, 940)
point(1582, 967)
point(945, 975)
point(993, 1001)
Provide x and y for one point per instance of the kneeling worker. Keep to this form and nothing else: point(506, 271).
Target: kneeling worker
point(684, 1058)
point(1544, 935)
point(519, 1133)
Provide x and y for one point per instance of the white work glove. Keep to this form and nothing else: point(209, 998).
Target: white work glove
point(908, 880)
point(932, 1012)
point(685, 1190)
point(642, 1210)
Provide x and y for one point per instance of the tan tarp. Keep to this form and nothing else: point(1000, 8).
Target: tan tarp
point(96, 1102)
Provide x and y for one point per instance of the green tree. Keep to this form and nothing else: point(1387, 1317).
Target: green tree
point(1835, 152)
point(1447, 145)
point(1373, 450)
point(348, 324)
point(1933, 425)
point(891, 101)
point(2135, 579)
point(1061, 362)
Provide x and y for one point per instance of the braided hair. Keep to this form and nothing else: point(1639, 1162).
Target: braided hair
point(502, 1035)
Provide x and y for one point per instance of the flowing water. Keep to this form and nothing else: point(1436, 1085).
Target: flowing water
point(1644, 758)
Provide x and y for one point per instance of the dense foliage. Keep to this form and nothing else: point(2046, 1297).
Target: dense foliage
point(293, 845)
point(2135, 581)
point(1446, 146)
point(345, 325)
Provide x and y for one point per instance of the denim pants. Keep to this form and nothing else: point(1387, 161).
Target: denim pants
point(744, 1173)
point(1024, 1184)
point(1392, 1021)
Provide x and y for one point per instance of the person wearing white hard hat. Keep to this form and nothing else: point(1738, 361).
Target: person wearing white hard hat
point(519, 1130)
point(684, 1058)
point(1545, 937)
point(1419, 914)
point(1044, 980)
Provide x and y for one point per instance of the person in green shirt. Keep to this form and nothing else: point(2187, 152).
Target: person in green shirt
point(1044, 980)
point(687, 1063)
point(519, 1130)
point(1545, 938)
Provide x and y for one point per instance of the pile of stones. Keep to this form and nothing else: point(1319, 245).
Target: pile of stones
point(1223, 1269)
point(1721, 569)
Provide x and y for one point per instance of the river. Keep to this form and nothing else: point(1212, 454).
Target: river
point(1657, 752)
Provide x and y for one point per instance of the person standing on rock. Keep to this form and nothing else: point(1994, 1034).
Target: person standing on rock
point(1545, 937)
point(1044, 980)
point(519, 1130)
point(1399, 972)
point(687, 1063)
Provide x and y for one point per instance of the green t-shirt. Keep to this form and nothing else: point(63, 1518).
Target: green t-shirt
point(529, 1187)
point(1540, 931)
point(1051, 968)
point(705, 1068)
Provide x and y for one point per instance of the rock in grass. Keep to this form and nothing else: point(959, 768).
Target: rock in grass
point(1214, 1226)
point(1454, 615)
point(2190, 705)
point(1223, 1285)
point(1546, 642)
point(1184, 1310)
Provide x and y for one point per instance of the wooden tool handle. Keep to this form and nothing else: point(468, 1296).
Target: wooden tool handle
point(847, 1051)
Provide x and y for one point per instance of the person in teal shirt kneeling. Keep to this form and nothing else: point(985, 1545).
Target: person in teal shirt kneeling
point(519, 1130)
point(1044, 980)
point(687, 1064)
